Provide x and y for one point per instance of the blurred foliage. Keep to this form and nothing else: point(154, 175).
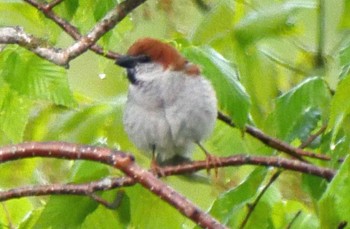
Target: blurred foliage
point(282, 66)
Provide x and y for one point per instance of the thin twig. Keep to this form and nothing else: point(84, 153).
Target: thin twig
point(53, 3)
point(293, 220)
point(342, 225)
point(276, 175)
point(284, 64)
point(274, 142)
point(321, 34)
point(312, 137)
point(202, 5)
point(252, 206)
point(113, 205)
point(67, 189)
point(7, 215)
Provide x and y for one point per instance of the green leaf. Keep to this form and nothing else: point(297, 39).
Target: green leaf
point(261, 217)
point(104, 218)
point(231, 95)
point(109, 39)
point(14, 113)
point(304, 124)
point(65, 212)
point(84, 171)
point(91, 124)
point(284, 212)
point(315, 186)
point(34, 77)
point(340, 108)
point(345, 54)
point(14, 13)
point(71, 211)
point(217, 22)
point(17, 209)
point(267, 22)
point(103, 7)
point(71, 7)
point(67, 9)
point(297, 111)
point(230, 203)
point(149, 211)
point(27, 173)
point(30, 219)
point(345, 20)
point(334, 204)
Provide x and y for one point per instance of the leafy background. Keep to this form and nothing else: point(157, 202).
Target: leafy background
point(282, 66)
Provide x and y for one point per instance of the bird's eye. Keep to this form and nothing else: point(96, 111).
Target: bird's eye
point(143, 59)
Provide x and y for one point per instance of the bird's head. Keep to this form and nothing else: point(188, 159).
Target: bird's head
point(152, 51)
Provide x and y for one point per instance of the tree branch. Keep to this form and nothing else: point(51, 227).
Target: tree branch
point(116, 159)
point(110, 20)
point(16, 35)
point(116, 182)
point(67, 189)
point(62, 57)
point(243, 159)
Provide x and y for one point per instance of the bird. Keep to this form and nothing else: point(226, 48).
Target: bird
point(170, 106)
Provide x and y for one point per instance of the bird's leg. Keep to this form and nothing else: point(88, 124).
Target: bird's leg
point(210, 158)
point(155, 168)
point(154, 157)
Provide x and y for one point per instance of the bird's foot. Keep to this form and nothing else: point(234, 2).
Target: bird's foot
point(212, 162)
point(156, 169)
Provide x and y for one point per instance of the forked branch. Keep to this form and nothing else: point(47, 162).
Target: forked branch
point(117, 159)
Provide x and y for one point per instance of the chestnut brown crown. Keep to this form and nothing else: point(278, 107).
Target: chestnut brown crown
point(162, 53)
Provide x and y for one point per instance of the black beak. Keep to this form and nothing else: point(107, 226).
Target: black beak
point(131, 61)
